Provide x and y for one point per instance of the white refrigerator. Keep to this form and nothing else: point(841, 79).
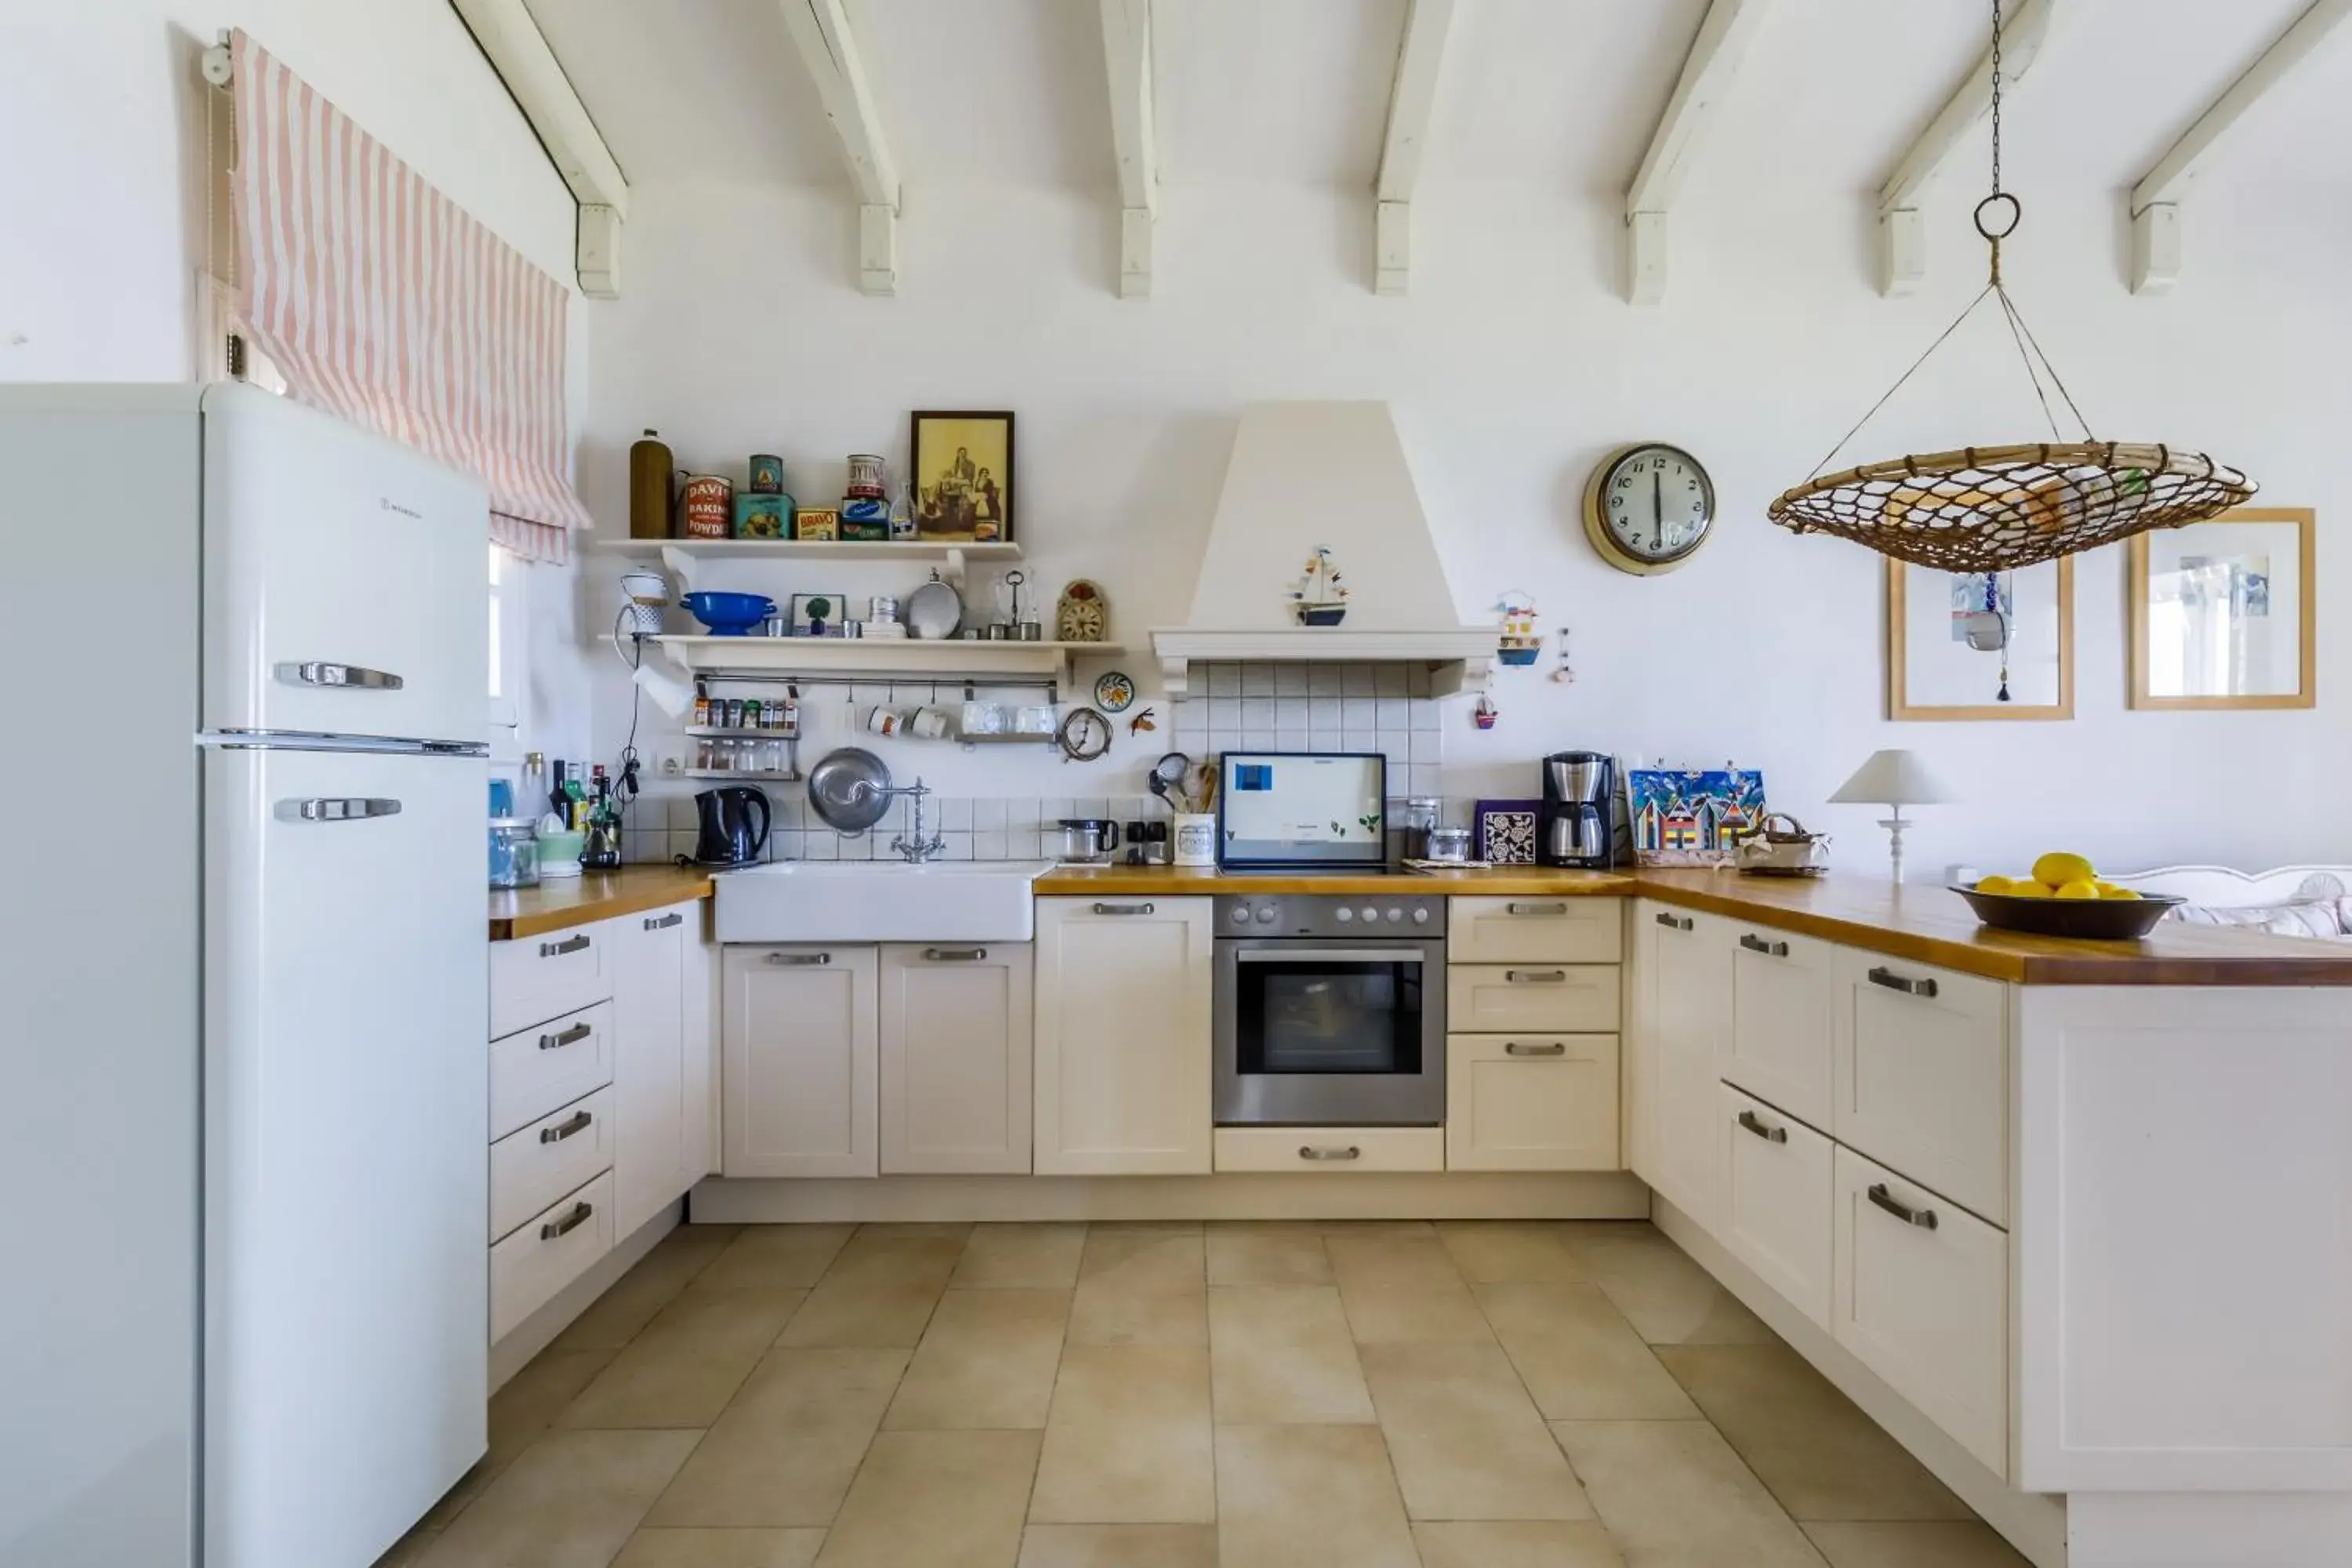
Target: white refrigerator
point(243, 1100)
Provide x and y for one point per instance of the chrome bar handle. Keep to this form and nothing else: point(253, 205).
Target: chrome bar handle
point(1520, 1048)
point(567, 1224)
point(1755, 1124)
point(1537, 909)
point(665, 921)
point(1924, 1218)
point(571, 1036)
point(1755, 943)
point(1903, 983)
point(954, 954)
point(1535, 977)
point(569, 944)
point(576, 1122)
point(1677, 922)
point(798, 959)
point(318, 672)
point(1309, 1151)
point(338, 808)
point(1122, 908)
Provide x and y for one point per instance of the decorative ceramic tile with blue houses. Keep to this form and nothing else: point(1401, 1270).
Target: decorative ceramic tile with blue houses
point(1694, 817)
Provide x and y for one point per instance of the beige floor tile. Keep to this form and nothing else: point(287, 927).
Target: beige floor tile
point(1945, 1544)
point(1415, 1314)
point(1387, 1261)
point(1141, 1285)
point(1675, 1496)
point(987, 1360)
point(936, 1499)
point(785, 1450)
point(1128, 1441)
point(687, 1364)
point(1517, 1543)
point(721, 1548)
point(1377, 1228)
point(881, 1288)
point(410, 1549)
point(1287, 1256)
point(1021, 1257)
point(775, 1257)
point(1490, 1251)
point(1668, 1298)
point(1466, 1438)
point(527, 1406)
point(1287, 1495)
point(570, 1502)
point(1120, 1546)
point(616, 1317)
point(1282, 1353)
point(1578, 1357)
point(1810, 1445)
point(1168, 1255)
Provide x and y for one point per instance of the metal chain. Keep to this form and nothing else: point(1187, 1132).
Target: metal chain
point(1996, 97)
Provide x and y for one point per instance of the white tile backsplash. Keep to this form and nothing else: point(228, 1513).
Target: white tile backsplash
point(1323, 680)
point(1257, 680)
point(1224, 680)
point(1290, 680)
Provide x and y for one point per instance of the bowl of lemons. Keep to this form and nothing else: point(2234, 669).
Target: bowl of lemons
point(2063, 895)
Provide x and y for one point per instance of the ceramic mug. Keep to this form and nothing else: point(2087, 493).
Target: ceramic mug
point(929, 724)
point(886, 721)
point(1196, 839)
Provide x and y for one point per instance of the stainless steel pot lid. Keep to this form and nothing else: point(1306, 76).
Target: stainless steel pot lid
point(845, 788)
point(934, 610)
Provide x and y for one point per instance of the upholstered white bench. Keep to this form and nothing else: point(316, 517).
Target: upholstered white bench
point(2292, 901)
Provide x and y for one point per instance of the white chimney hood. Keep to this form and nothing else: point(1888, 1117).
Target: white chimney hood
point(1310, 475)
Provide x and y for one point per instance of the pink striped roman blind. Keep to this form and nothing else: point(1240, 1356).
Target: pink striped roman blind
point(381, 301)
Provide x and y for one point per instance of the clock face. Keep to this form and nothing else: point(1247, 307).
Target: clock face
point(1652, 505)
point(1083, 614)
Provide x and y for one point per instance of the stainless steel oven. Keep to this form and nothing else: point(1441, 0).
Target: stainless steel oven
point(1331, 1011)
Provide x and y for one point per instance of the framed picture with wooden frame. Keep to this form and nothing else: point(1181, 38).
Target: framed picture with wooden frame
point(961, 463)
point(2223, 613)
point(1980, 645)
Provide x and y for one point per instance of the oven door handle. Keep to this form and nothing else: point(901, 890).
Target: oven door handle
point(1332, 955)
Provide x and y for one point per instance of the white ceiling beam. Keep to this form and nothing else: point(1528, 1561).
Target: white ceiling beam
point(1902, 252)
point(820, 32)
point(1722, 41)
point(1410, 98)
point(519, 52)
point(2155, 200)
point(1127, 58)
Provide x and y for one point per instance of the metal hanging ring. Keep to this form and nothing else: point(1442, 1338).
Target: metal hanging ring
point(2015, 210)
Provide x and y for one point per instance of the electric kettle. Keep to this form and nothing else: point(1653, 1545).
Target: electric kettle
point(728, 837)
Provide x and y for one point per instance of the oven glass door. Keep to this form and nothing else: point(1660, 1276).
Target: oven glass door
point(1330, 1033)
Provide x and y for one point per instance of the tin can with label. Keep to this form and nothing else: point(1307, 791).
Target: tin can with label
point(762, 516)
point(706, 508)
point(767, 474)
point(866, 477)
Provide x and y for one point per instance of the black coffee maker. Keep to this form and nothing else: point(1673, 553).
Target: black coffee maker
point(1578, 827)
point(728, 837)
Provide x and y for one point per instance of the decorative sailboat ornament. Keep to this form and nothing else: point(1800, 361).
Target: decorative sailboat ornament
point(1320, 598)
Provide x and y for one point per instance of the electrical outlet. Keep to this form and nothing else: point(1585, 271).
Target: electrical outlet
point(672, 764)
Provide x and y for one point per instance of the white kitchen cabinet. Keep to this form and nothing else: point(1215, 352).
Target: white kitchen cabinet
point(1691, 1006)
point(958, 1040)
point(1921, 1298)
point(1783, 1003)
point(1775, 1199)
point(1124, 1037)
point(646, 954)
point(801, 1045)
point(1330, 1150)
point(1535, 930)
point(1921, 1076)
point(535, 1071)
point(1506, 999)
point(533, 978)
point(699, 1009)
point(1531, 1102)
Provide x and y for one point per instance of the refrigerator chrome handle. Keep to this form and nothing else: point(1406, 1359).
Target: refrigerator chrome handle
point(567, 1224)
point(319, 672)
point(337, 808)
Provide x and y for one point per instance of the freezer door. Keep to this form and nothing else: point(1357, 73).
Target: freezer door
point(346, 1138)
point(345, 585)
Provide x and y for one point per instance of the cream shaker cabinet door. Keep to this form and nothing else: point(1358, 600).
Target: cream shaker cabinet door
point(1124, 993)
point(1531, 1102)
point(646, 957)
point(1693, 1013)
point(1783, 1004)
point(1921, 1076)
point(801, 1042)
point(1776, 1200)
point(957, 1043)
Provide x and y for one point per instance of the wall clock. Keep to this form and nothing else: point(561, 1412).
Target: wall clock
point(1083, 614)
point(1649, 506)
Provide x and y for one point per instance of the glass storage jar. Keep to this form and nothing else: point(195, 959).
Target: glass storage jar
point(514, 853)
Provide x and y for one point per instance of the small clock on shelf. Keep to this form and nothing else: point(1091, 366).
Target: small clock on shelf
point(1649, 506)
point(1083, 614)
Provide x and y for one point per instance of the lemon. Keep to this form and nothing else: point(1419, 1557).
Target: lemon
point(1996, 885)
point(2109, 891)
point(2084, 889)
point(2056, 870)
point(2027, 889)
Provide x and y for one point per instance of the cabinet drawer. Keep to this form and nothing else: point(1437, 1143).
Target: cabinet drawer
point(1545, 998)
point(1330, 1148)
point(1783, 1004)
point(1531, 1102)
point(1776, 1206)
point(535, 1070)
point(1922, 1297)
point(1520, 931)
point(535, 978)
point(533, 1167)
point(549, 1251)
point(1921, 1076)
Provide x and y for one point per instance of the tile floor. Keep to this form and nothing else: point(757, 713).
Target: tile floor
point(1473, 1396)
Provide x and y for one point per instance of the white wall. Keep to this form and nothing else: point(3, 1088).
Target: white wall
point(106, 212)
point(1512, 367)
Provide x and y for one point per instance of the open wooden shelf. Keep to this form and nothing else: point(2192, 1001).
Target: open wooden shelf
point(882, 658)
point(807, 549)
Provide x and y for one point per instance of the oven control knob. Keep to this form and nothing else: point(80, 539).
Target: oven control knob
point(1420, 915)
point(1266, 913)
point(1241, 914)
point(1370, 914)
point(1347, 916)
point(1395, 915)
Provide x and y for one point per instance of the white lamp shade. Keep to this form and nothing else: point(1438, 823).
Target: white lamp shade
point(1892, 778)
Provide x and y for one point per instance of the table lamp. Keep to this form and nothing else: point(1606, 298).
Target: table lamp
point(1894, 779)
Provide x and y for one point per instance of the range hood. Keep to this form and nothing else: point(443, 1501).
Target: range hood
point(1308, 476)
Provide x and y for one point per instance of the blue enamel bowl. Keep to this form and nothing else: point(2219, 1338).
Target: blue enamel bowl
point(731, 614)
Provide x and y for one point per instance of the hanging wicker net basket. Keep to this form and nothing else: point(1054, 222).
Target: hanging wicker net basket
point(2000, 508)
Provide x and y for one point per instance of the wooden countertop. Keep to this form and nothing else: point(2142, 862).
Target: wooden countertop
point(1924, 923)
point(592, 896)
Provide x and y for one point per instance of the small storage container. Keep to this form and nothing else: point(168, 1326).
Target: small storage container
point(514, 853)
